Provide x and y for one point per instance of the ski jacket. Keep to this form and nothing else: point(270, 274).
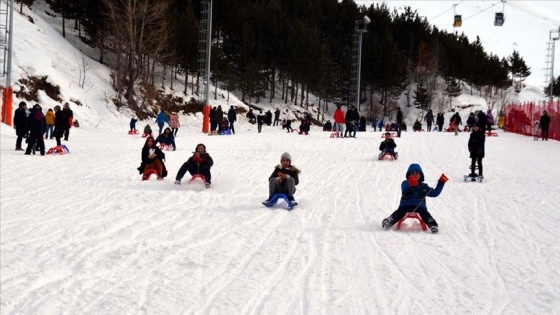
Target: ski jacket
point(232, 115)
point(489, 118)
point(429, 117)
point(471, 120)
point(476, 144)
point(174, 121)
point(338, 116)
point(416, 196)
point(545, 121)
point(351, 116)
point(291, 170)
point(49, 117)
point(20, 122)
point(59, 124)
point(399, 116)
point(388, 144)
point(162, 118)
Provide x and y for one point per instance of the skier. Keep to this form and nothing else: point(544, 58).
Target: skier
point(414, 193)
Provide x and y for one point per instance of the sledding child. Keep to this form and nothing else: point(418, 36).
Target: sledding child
point(414, 193)
point(166, 138)
point(388, 146)
point(536, 127)
point(152, 158)
point(283, 179)
point(147, 131)
point(133, 124)
point(199, 163)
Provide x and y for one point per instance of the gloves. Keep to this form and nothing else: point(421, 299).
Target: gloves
point(197, 159)
point(443, 179)
point(412, 182)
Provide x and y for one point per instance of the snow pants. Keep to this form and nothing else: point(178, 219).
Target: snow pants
point(287, 187)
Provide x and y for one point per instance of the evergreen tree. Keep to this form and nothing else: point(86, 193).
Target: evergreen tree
point(555, 88)
point(421, 96)
point(28, 3)
point(453, 89)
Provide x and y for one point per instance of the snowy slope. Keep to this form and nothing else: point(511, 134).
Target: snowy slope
point(81, 233)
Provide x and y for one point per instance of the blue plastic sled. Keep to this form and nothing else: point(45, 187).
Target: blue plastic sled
point(275, 199)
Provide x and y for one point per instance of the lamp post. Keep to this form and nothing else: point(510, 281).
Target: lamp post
point(554, 35)
point(361, 28)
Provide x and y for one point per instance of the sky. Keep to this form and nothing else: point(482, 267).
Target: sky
point(80, 233)
point(526, 28)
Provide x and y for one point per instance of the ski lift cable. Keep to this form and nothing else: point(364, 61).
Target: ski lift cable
point(452, 7)
point(495, 4)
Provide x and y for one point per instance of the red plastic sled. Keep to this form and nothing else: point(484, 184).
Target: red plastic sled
point(149, 173)
point(412, 215)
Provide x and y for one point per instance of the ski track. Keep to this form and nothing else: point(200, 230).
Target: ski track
point(99, 240)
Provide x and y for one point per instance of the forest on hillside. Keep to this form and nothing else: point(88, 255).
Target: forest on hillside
point(284, 49)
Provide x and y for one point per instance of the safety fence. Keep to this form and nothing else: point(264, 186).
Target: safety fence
point(520, 118)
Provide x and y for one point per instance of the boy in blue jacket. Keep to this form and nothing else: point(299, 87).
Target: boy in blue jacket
point(414, 193)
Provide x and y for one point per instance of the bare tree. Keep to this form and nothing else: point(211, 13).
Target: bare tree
point(83, 67)
point(137, 27)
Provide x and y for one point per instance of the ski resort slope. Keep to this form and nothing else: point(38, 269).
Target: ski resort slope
point(82, 234)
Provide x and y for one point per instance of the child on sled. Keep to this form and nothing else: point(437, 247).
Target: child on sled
point(414, 193)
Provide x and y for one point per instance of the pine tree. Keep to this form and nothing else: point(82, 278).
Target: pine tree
point(421, 96)
point(453, 89)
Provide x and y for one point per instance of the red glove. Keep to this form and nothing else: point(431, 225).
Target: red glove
point(412, 182)
point(197, 159)
point(443, 179)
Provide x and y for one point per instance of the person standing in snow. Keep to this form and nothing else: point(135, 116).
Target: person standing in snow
point(59, 124)
point(399, 121)
point(232, 118)
point(260, 121)
point(338, 117)
point(133, 121)
point(489, 120)
point(49, 118)
point(37, 126)
point(283, 179)
point(289, 117)
point(276, 117)
point(429, 118)
point(69, 115)
point(440, 120)
point(20, 124)
point(414, 193)
point(476, 149)
point(174, 124)
point(199, 163)
point(545, 124)
point(161, 119)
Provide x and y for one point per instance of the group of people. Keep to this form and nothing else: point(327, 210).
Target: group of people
point(283, 179)
point(35, 126)
point(348, 122)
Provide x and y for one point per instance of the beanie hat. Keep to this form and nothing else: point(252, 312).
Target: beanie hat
point(286, 156)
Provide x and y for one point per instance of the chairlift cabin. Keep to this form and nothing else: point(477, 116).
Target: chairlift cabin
point(499, 19)
point(458, 21)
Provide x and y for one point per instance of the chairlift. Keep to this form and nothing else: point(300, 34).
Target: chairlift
point(499, 18)
point(457, 22)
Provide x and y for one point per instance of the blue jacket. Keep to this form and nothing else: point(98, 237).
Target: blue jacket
point(162, 118)
point(416, 196)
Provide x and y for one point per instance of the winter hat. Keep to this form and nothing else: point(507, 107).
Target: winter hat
point(57, 108)
point(286, 156)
